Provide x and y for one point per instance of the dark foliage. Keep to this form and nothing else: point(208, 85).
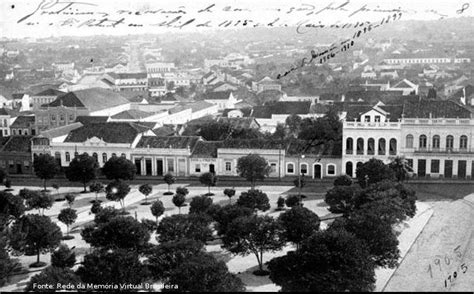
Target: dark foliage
point(119, 168)
point(254, 199)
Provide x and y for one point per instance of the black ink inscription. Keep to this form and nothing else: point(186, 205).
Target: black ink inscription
point(463, 8)
point(49, 4)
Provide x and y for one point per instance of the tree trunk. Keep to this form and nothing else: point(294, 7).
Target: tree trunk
point(168, 187)
point(209, 189)
point(67, 230)
point(38, 255)
point(96, 197)
point(85, 189)
point(44, 184)
point(260, 266)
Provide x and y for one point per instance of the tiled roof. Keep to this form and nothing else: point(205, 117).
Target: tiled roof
point(206, 149)
point(266, 111)
point(181, 142)
point(60, 131)
point(18, 144)
point(373, 96)
point(164, 131)
point(355, 110)
point(468, 90)
point(91, 119)
point(435, 109)
point(49, 92)
point(239, 122)
point(93, 99)
point(139, 75)
point(132, 114)
point(114, 132)
point(309, 148)
point(222, 95)
point(253, 144)
point(23, 121)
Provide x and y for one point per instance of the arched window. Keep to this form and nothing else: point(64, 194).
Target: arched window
point(371, 146)
point(360, 146)
point(68, 157)
point(95, 156)
point(357, 167)
point(349, 169)
point(331, 170)
point(463, 142)
point(436, 141)
point(57, 156)
point(422, 143)
point(304, 169)
point(392, 147)
point(104, 157)
point(290, 168)
point(114, 155)
point(76, 154)
point(382, 146)
point(123, 155)
point(349, 145)
point(409, 141)
point(449, 142)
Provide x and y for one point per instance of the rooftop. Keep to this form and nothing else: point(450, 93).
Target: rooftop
point(93, 99)
point(17, 144)
point(222, 95)
point(182, 142)
point(23, 121)
point(114, 132)
point(266, 111)
point(132, 114)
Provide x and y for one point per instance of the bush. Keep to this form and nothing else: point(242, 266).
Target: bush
point(343, 180)
point(200, 204)
point(63, 257)
point(254, 199)
point(157, 209)
point(292, 200)
point(280, 203)
point(96, 207)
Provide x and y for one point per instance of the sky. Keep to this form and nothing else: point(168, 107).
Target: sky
point(45, 18)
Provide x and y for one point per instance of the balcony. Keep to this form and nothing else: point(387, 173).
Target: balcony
point(437, 121)
point(442, 150)
point(371, 125)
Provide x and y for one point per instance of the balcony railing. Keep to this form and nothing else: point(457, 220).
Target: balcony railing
point(443, 150)
point(437, 121)
point(378, 125)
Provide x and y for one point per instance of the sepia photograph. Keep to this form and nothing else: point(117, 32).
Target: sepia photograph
point(236, 146)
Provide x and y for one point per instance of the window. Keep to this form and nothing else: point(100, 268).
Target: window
point(25, 132)
point(409, 141)
point(371, 146)
point(123, 155)
point(10, 163)
point(304, 169)
point(463, 142)
point(273, 167)
point(382, 147)
point(76, 154)
point(367, 118)
point(61, 117)
point(197, 168)
point(96, 157)
point(13, 131)
point(228, 166)
point(290, 168)
point(360, 146)
point(392, 147)
point(349, 146)
point(26, 164)
point(434, 166)
point(377, 118)
point(170, 163)
point(114, 155)
point(436, 141)
point(104, 157)
point(19, 132)
point(449, 142)
point(53, 117)
point(422, 141)
point(68, 157)
point(331, 169)
point(71, 117)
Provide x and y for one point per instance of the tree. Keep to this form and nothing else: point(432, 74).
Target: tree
point(378, 235)
point(331, 260)
point(63, 257)
point(36, 232)
point(293, 122)
point(299, 223)
point(253, 167)
point(3, 174)
point(167, 256)
point(106, 214)
point(400, 168)
point(82, 168)
point(8, 266)
point(55, 187)
point(341, 199)
point(157, 209)
point(254, 235)
point(96, 207)
point(200, 204)
point(117, 191)
point(208, 179)
point(280, 203)
point(178, 226)
point(373, 171)
point(67, 216)
point(45, 167)
point(123, 232)
point(96, 187)
point(119, 168)
point(8, 185)
point(11, 208)
point(178, 201)
point(145, 189)
point(70, 198)
point(254, 199)
point(203, 273)
point(431, 93)
point(39, 200)
point(169, 180)
point(280, 132)
point(112, 267)
point(228, 213)
point(52, 276)
point(292, 200)
point(182, 190)
point(343, 180)
point(229, 193)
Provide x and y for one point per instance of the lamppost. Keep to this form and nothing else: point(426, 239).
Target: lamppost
point(299, 177)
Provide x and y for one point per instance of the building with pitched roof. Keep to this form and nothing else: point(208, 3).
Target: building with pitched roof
point(274, 113)
point(23, 125)
point(44, 97)
point(15, 154)
point(124, 82)
point(434, 136)
point(88, 102)
point(223, 99)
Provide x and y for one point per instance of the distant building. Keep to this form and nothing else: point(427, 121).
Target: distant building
point(15, 154)
point(44, 97)
point(159, 68)
point(265, 84)
point(223, 99)
point(127, 81)
point(23, 125)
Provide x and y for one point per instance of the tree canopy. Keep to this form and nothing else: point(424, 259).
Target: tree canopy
point(253, 168)
point(45, 167)
point(208, 179)
point(117, 191)
point(254, 199)
point(119, 168)
point(178, 226)
point(373, 171)
point(299, 223)
point(82, 168)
